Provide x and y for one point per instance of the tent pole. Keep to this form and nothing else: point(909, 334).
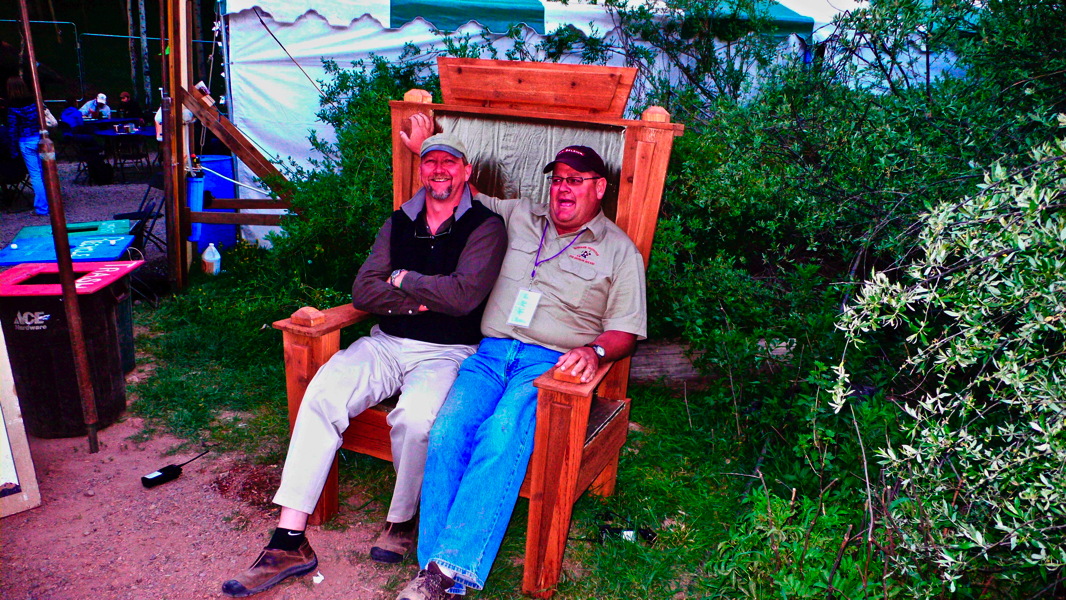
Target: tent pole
point(47, 152)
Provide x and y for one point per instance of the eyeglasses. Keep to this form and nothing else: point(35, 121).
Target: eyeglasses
point(570, 181)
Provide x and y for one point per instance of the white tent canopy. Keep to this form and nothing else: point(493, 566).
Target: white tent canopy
point(275, 50)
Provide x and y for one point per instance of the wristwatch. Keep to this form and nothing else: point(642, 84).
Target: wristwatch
point(598, 349)
point(394, 275)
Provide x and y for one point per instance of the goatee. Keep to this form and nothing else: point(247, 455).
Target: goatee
point(442, 195)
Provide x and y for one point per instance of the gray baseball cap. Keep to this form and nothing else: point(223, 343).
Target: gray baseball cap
point(445, 142)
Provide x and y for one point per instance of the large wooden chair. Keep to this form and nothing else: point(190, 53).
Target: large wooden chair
point(503, 108)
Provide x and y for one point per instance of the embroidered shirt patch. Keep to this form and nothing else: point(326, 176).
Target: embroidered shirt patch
point(585, 254)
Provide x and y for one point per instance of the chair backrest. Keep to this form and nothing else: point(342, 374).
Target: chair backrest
point(494, 105)
point(155, 182)
point(514, 116)
point(145, 219)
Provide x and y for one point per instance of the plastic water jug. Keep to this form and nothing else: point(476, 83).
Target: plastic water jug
point(212, 260)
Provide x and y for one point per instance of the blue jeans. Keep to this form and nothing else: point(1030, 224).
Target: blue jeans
point(479, 449)
point(28, 147)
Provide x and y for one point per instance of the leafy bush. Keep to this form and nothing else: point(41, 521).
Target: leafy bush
point(981, 484)
point(341, 201)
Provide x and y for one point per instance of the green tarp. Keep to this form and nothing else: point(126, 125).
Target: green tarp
point(497, 16)
point(449, 15)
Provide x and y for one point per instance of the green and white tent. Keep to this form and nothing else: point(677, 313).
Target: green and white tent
point(274, 48)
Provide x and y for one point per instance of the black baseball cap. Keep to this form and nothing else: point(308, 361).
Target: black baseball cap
point(580, 158)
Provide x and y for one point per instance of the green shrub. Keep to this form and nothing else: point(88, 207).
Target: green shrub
point(340, 202)
point(981, 487)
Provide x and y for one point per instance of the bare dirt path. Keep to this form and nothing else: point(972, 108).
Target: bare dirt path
point(100, 534)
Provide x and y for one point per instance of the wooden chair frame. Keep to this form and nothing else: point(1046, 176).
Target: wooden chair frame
point(580, 427)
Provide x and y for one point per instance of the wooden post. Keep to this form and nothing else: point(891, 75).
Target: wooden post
point(405, 163)
point(176, 59)
point(562, 418)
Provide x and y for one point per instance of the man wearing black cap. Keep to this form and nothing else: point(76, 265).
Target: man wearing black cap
point(570, 294)
point(427, 277)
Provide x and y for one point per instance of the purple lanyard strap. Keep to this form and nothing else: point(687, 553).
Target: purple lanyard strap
point(538, 262)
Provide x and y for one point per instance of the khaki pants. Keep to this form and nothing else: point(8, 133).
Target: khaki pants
point(367, 372)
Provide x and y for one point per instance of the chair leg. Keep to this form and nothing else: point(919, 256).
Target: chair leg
point(604, 483)
point(303, 356)
point(555, 464)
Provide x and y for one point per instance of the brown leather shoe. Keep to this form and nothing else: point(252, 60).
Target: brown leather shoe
point(430, 584)
point(271, 568)
point(395, 542)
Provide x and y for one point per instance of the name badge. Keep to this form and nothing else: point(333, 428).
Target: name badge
point(524, 307)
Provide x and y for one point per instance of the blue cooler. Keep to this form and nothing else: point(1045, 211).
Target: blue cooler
point(222, 236)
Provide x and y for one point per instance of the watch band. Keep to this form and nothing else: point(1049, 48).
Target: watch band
point(598, 349)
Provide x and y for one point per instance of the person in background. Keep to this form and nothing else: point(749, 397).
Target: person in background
point(128, 106)
point(71, 115)
point(96, 108)
point(24, 133)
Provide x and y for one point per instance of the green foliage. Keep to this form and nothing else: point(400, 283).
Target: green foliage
point(795, 548)
point(980, 471)
point(341, 200)
point(216, 353)
point(1016, 47)
point(675, 480)
point(712, 46)
point(774, 202)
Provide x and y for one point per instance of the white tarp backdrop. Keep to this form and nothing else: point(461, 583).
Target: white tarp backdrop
point(273, 101)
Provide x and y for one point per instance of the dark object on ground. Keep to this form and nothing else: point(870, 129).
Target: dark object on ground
point(167, 473)
point(100, 172)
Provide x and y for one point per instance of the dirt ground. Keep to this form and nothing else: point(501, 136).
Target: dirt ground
point(100, 534)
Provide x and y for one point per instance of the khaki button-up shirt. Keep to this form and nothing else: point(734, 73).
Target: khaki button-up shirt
point(595, 285)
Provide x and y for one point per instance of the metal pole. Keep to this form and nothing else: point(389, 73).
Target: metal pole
point(59, 234)
point(129, 45)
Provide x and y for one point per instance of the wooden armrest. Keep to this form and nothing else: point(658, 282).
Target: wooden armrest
point(311, 322)
point(564, 383)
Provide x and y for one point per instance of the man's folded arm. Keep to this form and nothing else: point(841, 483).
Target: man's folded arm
point(466, 288)
point(371, 290)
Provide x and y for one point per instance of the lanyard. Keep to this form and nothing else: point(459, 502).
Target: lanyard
point(538, 262)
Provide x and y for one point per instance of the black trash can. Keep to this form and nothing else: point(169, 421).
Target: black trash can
point(38, 343)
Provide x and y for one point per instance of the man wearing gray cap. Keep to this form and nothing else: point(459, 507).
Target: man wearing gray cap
point(428, 276)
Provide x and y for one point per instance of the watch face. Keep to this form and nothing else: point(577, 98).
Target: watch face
point(600, 352)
